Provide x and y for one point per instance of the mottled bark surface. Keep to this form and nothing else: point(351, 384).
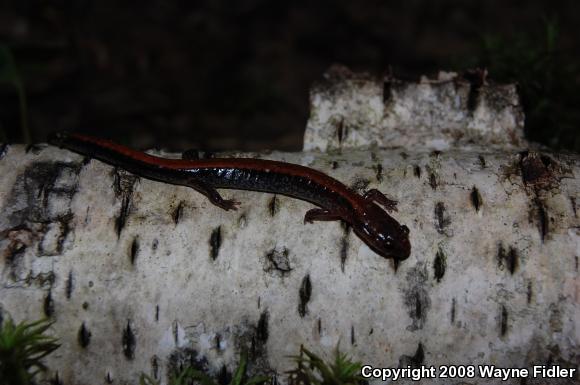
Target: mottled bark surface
point(141, 276)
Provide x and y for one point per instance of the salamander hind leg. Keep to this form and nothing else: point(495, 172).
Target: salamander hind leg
point(213, 195)
point(320, 215)
point(377, 196)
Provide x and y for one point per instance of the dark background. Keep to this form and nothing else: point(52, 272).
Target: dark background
point(236, 74)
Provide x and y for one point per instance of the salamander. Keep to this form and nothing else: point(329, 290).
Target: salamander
point(370, 222)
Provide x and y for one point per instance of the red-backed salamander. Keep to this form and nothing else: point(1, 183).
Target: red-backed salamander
point(335, 201)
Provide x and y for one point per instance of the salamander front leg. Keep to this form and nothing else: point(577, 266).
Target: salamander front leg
point(320, 215)
point(211, 193)
point(377, 196)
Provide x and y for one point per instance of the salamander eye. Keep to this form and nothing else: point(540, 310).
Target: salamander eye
point(405, 229)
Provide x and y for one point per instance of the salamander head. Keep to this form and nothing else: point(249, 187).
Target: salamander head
point(382, 233)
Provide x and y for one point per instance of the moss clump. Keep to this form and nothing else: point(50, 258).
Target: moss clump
point(22, 348)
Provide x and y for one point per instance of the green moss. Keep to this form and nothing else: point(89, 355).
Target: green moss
point(22, 348)
point(189, 375)
point(313, 370)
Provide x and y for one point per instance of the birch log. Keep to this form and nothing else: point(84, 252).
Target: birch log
point(141, 276)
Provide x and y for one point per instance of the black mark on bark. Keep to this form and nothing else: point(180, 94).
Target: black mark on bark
point(134, 250)
point(441, 218)
point(175, 330)
point(123, 185)
point(155, 367)
point(56, 380)
point(476, 200)
point(439, 265)
point(278, 261)
point(417, 171)
point(84, 336)
point(262, 327)
point(379, 172)
point(414, 361)
point(435, 154)
point(343, 251)
point(340, 131)
point(129, 341)
point(507, 258)
point(503, 327)
point(178, 212)
point(542, 219)
point(481, 161)
point(304, 293)
point(218, 342)
point(453, 310)
point(69, 285)
point(433, 181)
point(48, 305)
point(416, 297)
point(538, 169)
point(215, 242)
point(273, 206)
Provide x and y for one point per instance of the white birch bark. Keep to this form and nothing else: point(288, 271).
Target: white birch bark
point(140, 276)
